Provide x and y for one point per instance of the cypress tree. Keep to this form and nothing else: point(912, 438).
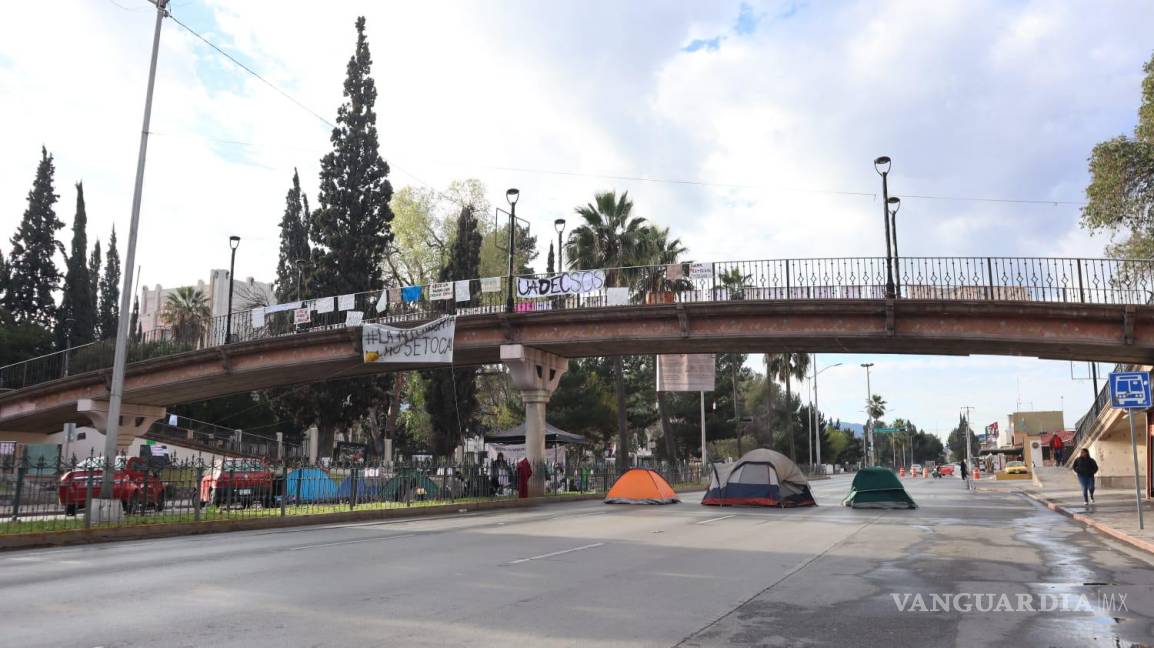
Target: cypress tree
point(451, 393)
point(350, 231)
point(549, 262)
point(33, 272)
point(294, 245)
point(110, 289)
point(76, 317)
point(94, 289)
point(135, 331)
point(4, 279)
point(351, 226)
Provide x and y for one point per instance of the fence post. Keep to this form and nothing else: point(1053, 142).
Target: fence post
point(788, 292)
point(353, 489)
point(989, 279)
point(283, 486)
point(1081, 284)
point(21, 471)
point(196, 503)
point(88, 495)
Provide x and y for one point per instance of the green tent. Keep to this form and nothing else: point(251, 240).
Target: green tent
point(878, 488)
point(408, 485)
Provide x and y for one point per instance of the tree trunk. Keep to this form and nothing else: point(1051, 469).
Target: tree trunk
point(789, 419)
point(622, 428)
point(394, 409)
point(666, 429)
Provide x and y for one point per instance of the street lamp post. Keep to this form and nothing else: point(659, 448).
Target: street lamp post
point(895, 204)
point(559, 225)
point(233, 242)
point(882, 166)
point(816, 419)
point(869, 427)
point(512, 195)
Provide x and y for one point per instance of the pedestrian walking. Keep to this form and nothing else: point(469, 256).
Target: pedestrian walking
point(965, 472)
point(498, 474)
point(1057, 448)
point(1085, 467)
point(524, 472)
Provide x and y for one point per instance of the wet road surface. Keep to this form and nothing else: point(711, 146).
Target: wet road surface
point(588, 574)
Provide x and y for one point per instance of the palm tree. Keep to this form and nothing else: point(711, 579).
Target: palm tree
point(785, 367)
point(187, 313)
point(611, 237)
point(875, 410)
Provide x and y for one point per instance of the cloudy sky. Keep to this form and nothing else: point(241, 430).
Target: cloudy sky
point(753, 123)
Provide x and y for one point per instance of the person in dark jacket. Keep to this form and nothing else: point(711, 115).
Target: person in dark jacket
point(965, 472)
point(1085, 467)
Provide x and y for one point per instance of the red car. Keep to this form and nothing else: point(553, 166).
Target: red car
point(238, 481)
point(135, 487)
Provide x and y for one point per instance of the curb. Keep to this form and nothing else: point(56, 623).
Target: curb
point(1138, 543)
point(148, 531)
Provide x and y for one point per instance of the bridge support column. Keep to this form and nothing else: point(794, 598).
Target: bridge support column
point(535, 374)
point(134, 419)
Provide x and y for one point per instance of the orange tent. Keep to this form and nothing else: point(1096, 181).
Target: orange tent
point(641, 486)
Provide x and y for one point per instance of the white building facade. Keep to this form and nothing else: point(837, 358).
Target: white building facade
point(247, 294)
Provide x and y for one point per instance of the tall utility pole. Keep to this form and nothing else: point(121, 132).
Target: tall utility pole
point(869, 428)
point(116, 390)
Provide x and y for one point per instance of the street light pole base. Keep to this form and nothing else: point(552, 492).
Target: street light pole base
point(106, 511)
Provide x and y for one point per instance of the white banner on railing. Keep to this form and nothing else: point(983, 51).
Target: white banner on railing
point(323, 305)
point(428, 343)
point(346, 302)
point(566, 283)
point(441, 291)
point(257, 318)
point(490, 284)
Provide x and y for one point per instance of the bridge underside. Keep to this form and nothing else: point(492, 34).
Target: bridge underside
point(1074, 332)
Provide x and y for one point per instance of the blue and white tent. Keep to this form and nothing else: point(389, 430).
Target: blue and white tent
point(760, 478)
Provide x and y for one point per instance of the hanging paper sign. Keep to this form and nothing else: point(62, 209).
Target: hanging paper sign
point(490, 284)
point(674, 271)
point(323, 305)
point(383, 300)
point(302, 316)
point(278, 308)
point(565, 283)
point(700, 270)
point(617, 296)
point(354, 318)
point(462, 290)
point(440, 291)
point(257, 317)
point(427, 343)
point(346, 302)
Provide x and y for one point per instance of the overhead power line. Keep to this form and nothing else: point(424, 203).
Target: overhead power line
point(607, 176)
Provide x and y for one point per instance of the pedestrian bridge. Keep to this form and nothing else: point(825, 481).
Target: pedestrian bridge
point(1078, 309)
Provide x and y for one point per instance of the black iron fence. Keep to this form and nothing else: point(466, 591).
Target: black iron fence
point(1043, 280)
point(52, 496)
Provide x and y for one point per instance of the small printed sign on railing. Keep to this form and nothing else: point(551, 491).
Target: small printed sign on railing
point(302, 316)
point(428, 343)
point(700, 270)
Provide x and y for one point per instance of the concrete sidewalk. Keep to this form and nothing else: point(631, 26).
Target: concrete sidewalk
point(1113, 512)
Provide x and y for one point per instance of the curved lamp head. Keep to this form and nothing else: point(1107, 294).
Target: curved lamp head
point(882, 164)
point(233, 241)
point(512, 195)
point(895, 204)
point(559, 224)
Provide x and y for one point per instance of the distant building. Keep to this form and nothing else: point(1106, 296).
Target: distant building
point(247, 294)
point(1034, 424)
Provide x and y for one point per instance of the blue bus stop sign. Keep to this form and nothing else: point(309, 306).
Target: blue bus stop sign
point(1130, 389)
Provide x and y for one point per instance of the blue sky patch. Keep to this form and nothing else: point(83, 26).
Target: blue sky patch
point(708, 44)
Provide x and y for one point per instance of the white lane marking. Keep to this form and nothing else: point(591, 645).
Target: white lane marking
point(556, 553)
point(724, 517)
point(345, 542)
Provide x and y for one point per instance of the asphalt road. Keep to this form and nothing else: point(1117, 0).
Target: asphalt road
point(588, 574)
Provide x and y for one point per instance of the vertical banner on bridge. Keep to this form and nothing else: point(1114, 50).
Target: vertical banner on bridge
point(430, 343)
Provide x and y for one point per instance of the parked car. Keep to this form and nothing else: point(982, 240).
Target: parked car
point(1017, 468)
point(946, 470)
point(133, 484)
point(238, 481)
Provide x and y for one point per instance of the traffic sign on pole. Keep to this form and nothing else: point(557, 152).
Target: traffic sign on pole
point(1130, 390)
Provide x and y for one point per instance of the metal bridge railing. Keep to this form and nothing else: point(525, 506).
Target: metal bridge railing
point(1018, 279)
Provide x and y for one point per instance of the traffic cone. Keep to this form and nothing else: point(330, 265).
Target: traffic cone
point(977, 475)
